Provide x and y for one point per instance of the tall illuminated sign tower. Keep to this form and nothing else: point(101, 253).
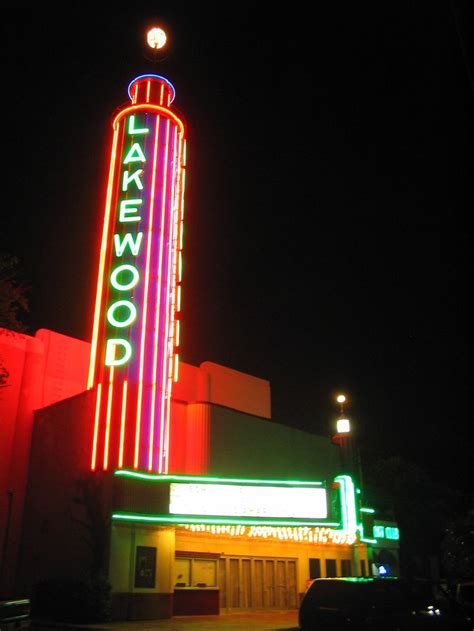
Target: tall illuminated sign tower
point(134, 357)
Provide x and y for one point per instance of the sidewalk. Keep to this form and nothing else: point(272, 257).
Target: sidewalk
point(246, 621)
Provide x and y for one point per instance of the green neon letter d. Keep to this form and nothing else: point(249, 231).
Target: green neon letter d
point(110, 352)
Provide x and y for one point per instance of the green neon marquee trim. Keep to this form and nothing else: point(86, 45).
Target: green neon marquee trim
point(186, 519)
point(194, 478)
point(367, 510)
point(348, 504)
point(363, 540)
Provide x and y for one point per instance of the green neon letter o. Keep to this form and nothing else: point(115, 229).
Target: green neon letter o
point(124, 268)
point(121, 323)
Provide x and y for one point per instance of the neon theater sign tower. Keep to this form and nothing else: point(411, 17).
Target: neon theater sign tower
point(135, 337)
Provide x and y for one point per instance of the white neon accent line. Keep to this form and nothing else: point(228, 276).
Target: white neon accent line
point(145, 300)
point(136, 93)
point(148, 83)
point(103, 250)
point(160, 267)
point(161, 95)
point(176, 367)
point(178, 301)
point(181, 235)
point(96, 428)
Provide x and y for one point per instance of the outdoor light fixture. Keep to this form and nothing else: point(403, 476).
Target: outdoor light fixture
point(156, 38)
point(343, 426)
point(341, 398)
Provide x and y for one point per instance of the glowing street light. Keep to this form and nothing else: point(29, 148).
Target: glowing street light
point(156, 38)
point(156, 44)
point(343, 424)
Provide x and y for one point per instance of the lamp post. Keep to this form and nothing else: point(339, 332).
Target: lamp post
point(343, 438)
point(350, 466)
point(157, 44)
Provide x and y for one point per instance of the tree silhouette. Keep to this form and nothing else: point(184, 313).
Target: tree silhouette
point(13, 295)
point(421, 506)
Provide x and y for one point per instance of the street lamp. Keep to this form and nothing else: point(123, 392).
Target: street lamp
point(343, 425)
point(156, 44)
point(156, 38)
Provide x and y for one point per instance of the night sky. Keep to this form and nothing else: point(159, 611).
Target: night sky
point(327, 219)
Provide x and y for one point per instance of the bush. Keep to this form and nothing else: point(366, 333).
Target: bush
point(72, 600)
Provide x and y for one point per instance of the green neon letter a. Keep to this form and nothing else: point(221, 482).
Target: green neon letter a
point(135, 154)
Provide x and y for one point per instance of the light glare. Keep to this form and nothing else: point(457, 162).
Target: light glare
point(156, 38)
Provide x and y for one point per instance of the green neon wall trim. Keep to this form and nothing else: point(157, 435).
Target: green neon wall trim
point(348, 504)
point(363, 540)
point(186, 519)
point(367, 510)
point(392, 533)
point(378, 532)
point(195, 478)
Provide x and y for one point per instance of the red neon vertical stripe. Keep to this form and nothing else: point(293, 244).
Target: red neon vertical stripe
point(96, 428)
point(174, 323)
point(148, 85)
point(160, 280)
point(157, 320)
point(135, 95)
point(108, 419)
point(103, 250)
point(161, 94)
point(122, 423)
point(145, 299)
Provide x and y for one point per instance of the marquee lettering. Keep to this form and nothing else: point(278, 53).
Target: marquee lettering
point(125, 276)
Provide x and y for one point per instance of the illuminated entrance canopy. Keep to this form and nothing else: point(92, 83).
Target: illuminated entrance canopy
point(248, 501)
point(193, 499)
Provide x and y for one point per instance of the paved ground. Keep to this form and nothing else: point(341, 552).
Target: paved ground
point(261, 621)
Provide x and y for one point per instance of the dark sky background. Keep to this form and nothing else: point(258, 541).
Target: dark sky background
point(327, 235)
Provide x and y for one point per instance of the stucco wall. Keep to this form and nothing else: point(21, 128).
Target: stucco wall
point(245, 446)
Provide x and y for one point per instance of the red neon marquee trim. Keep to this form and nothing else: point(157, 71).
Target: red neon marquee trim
point(149, 107)
point(122, 423)
point(96, 427)
point(164, 199)
point(108, 420)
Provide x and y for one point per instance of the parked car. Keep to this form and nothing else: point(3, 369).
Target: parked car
point(392, 604)
point(15, 614)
